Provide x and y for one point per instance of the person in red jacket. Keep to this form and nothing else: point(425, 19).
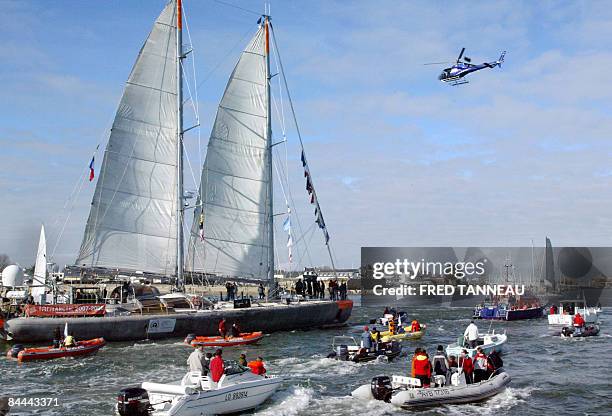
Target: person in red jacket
point(421, 367)
point(257, 367)
point(480, 366)
point(466, 363)
point(416, 326)
point(222, 328)
point(217, 368)
point(578, 320)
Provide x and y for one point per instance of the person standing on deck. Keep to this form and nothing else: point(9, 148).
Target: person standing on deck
point(196, 359)
point(480, 366)
point(467, 365)
point(217, 368)
point(471, 334)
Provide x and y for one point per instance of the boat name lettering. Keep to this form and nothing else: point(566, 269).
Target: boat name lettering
point(433, 392)
point(236, 395)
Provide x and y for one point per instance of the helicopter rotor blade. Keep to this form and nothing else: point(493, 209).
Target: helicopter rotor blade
point(460, 54)
point(466, 59)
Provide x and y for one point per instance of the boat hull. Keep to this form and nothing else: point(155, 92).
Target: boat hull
point(243, 339)
point(48, 353)
point(495, 313)
point(271, 318)
point(407, 335)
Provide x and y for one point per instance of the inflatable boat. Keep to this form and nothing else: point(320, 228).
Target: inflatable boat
point(406, 335)
point(587, 331)
point(406, 392)
point(47, 353)
point(243, 339)
point(345, 348)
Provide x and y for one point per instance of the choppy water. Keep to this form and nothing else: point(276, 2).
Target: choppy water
point(550, 375)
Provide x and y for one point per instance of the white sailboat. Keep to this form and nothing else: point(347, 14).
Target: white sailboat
point(136, 218)
point(39, 279)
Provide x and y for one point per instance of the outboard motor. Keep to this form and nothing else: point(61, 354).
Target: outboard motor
point(133, 401)
point(566, 332)
point(381, 388)
point(342, 352)
point(190, 337)
point(17, 348)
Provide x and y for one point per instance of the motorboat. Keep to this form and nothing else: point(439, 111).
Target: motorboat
point(402, 317)
point(243, 339)
point(575, 332)
point(566, 310)
point(406, 392)
point(405, 334)
point(47, 353)
point(489, 342)
point(346, 348)
point(237, 390)
point(505, 312)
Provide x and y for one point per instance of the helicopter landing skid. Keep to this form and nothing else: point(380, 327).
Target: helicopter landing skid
point(464, 81)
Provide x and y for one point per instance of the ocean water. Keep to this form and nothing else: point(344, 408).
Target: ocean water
point(550, 375)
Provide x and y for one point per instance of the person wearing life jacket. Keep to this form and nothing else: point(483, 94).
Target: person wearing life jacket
point(553, 310)
point(480, 366)
point(467, 365)
point(375, 335)
point(242, 360)
point(578, 321)
point(421, 368)
point(217, 368)
point(222, 328)
point(257, 367)
point(416, 326)
point(69, 341)
point(392, 326)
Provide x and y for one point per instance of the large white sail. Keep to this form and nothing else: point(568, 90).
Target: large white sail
point(132, 221)
point(40, 268)
point(230, 237)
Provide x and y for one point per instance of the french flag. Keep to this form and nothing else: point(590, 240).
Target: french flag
point(91, 169)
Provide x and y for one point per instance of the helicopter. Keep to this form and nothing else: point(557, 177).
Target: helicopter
point(454, 75)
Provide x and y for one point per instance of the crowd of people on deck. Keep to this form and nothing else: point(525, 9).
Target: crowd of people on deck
point(314, 289)
point(475, 370)
point(214, 366)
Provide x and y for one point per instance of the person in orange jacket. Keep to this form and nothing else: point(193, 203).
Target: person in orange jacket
point(416, 326)
point(421, 367)
point(257, 367)
point(392, 327)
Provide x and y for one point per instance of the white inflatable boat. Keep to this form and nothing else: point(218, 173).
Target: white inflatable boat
point(406, 392)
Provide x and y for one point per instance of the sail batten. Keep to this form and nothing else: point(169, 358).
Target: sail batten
point(230, 228)
point(132, 221)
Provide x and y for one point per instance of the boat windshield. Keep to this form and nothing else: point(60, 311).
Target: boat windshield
point(232, 367)
point(344, 340)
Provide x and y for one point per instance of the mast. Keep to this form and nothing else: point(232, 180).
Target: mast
point(179, 145)
point(269, 158)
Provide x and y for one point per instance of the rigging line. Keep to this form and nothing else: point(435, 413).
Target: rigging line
point(196, 99)
point(223, 59)
point(61, 233)
point(297, 216)
point(237, 7)
point(297, 128)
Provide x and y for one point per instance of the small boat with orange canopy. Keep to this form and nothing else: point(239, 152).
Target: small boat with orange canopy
point(47, 353)
point(218, 341)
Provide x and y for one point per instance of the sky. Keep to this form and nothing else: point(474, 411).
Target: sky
point(397, 157)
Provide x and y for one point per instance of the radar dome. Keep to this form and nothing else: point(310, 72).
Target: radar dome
point(12, 276)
